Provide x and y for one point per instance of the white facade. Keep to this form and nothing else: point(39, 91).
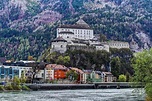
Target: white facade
point(40, 74)
point(107, 77)
point(118, 44)
point(49, 74)
point(24, 70)
point(81, 30)
point(68, 36)
point(45, 74)
point(78, 33)
point(102, 47)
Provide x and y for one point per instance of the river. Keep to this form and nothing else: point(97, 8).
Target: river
point(76, 95)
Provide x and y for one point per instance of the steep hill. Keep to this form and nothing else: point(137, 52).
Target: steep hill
point(27, 26)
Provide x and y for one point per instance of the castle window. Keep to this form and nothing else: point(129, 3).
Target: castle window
point(53, 46)
point(61, 46)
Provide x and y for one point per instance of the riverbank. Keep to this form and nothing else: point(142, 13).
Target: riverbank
point(105, 85)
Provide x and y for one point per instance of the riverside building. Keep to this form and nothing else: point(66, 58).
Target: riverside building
point(9, 72)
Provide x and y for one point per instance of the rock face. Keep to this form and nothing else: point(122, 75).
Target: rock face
point(117, 19)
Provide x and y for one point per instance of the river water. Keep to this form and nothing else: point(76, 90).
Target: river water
point(76, 95)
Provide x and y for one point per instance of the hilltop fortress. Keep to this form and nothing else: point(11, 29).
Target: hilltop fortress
point(81, 37)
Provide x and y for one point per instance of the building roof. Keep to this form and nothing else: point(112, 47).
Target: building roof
point(98, 72)
point(59, 39)
point(80, 24)
point(66, 32)
point(107, 73)
point(97, 44)
point(27, 61)
point(117, 42)
point(77, 70)
point(80, 42)
point(56, 66)
point(87, 71)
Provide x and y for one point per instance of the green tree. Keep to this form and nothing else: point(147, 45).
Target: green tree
point(142, 64)
point(60, 60)
point(115, 66)
point(103, 38)
point(23, 78)
point(122, 78)
point(16, 81)
point(72, 75)
point(66, 60)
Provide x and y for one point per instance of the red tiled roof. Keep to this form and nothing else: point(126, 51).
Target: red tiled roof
point(76, 69)
point(56, 66)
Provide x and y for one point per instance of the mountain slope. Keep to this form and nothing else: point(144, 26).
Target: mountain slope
point(34, 22)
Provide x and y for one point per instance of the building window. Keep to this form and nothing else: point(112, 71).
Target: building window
point(7, 71)
point(2, 76)
point(53, 46)
point(10, 70)
point(42, 75)
point(16, 72)
point(2, 70)
point(10, 77)
point(61, 46)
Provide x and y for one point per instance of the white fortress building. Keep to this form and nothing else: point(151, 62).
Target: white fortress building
point(81, 37)
point(80, 30)
point(118, 44)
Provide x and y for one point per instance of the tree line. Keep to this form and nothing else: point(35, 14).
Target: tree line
point(118, 59)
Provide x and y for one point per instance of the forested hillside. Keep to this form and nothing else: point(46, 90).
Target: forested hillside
point(27, 26)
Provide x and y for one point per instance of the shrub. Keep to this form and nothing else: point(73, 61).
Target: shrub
point(122, 78)
point(72, 75)
point(2, 88)
point(16, 80)
point(17, 87)
point(9, 87)
point(148, 89)
point(25, 88)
